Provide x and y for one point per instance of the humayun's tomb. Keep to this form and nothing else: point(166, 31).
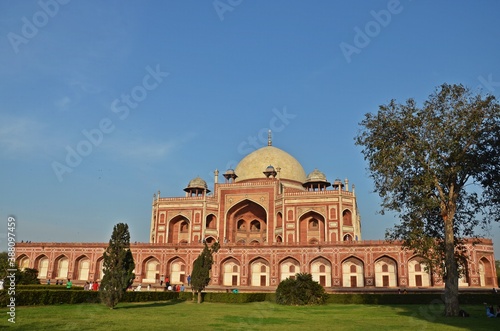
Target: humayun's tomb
point(272, 221)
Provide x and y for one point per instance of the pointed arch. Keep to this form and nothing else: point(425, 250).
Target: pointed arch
point(486, 275)
point(347, 217)
point(279, 220)
point(178, 229)
point(177, 270)
point(347, 237)
point(42, 265)
point(247, 221)
point(61, 267)
point(23, 262)
point(289, 267)
point(241, 225)
point(386, 272)
point(211, 222)
point(210, 240)
point(99, 269)
point(81, 268)
point(259, 272)
point(419, 274)
point(353, 272)
point(150, 269)
point(311, 226)
point(255, 226)
point(231, 271)
point(321, 271)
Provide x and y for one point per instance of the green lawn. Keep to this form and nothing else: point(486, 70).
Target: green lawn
point(179, 315)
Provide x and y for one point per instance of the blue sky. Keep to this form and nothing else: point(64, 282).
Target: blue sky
point(151, 94)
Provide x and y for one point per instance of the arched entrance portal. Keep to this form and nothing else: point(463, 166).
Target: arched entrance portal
point(312, 228)
point(247, 223)
point(386, 272)
point(231, 272)
point(259, 269)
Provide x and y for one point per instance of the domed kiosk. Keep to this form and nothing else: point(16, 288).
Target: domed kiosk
point(196, 187)
point(316, 180)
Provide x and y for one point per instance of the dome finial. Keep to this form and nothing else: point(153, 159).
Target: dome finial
point(269, 138)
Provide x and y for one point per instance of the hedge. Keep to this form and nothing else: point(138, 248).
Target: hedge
point(48, 287)
point(237, 297)
point(64, 296)
point(29, 297)
point(49, 297)
point(405, 299)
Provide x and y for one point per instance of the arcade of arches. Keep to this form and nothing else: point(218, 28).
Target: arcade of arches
point(238, 265)
point(272, 221)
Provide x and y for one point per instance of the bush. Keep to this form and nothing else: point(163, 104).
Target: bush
point(27, 276)
point(302, 290)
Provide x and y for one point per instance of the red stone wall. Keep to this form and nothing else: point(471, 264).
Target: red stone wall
point(368, 252)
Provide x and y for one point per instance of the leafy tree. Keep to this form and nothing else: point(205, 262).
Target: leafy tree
point(438, 168)
point(27, 276)
point(4, 264)
point(118, 266)
point(302, 290)
point(200, 277)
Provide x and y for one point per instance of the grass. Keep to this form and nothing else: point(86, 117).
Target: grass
point(180, 315)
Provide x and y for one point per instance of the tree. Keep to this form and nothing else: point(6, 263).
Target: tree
point(200, 277)
point(118, 266)
point(4, 265)
point(302, 290)
point(437, 167)
point(27, 276)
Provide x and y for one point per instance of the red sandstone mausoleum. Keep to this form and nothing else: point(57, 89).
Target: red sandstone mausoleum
point(272, 221)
